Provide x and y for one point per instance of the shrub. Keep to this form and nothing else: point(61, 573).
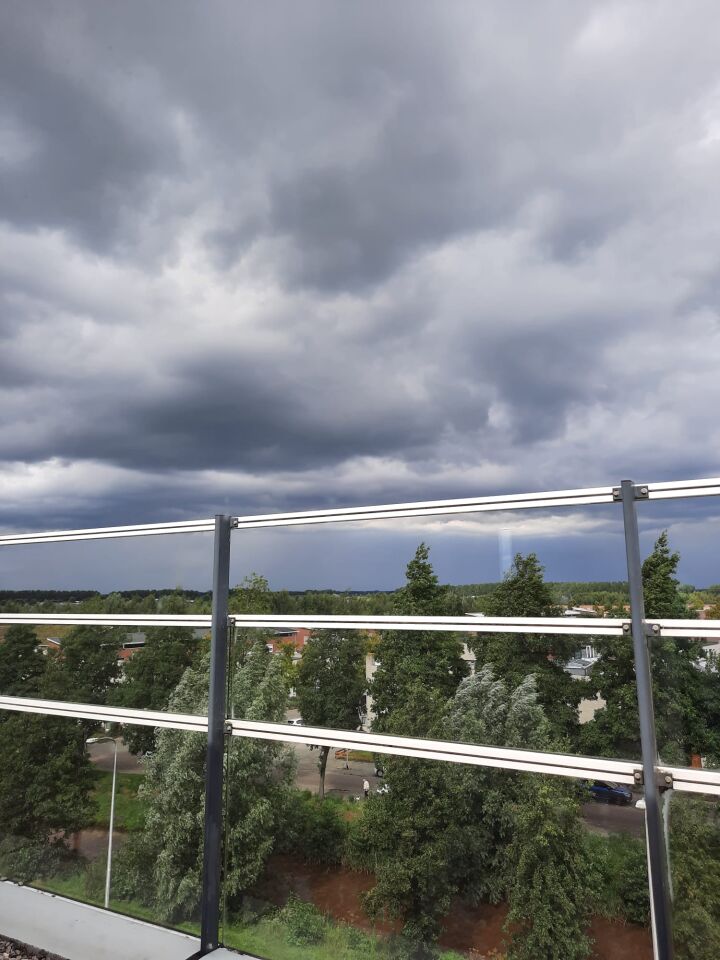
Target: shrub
point(303, 922)
point(621, 884)
point(26, 860)
point(315, 829)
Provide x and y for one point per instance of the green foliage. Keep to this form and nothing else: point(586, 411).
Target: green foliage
point(315, 829)
point(621, 888)
point(331, 684)
point(687, 699)
point(151, 676)
point(552, 883)
point(27, 860)
point(410, 661)
point(86, 666)
point(45, 777)
point(524, 593)
point(663, 598)
point(695, 857)
point(21, 663)
point(443, 829)
point(303, 922)
point(163, 863)
point(253, 595)
point(129, 809)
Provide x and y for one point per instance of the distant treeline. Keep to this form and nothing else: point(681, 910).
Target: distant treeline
point(463, 598)
point(72, 596)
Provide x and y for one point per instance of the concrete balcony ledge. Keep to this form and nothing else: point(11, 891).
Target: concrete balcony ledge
point(78, 931)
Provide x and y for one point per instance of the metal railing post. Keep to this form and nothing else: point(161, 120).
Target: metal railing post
point(656, 854)
point(211, 879)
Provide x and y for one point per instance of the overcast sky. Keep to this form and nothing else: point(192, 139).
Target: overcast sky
point(258, 257)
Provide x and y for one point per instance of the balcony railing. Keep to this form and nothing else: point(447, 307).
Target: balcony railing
point(218, 724)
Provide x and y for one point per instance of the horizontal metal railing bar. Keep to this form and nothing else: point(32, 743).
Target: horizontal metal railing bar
point(108, 619)
point(544, 625)
point(694, 780)
point(429, 508)
point(709, 629)
point(675, 489)
point(560, 626)
point(89, 711)
point(107, 533)
point(619, 771)
point(686, 779)
point(422, 508)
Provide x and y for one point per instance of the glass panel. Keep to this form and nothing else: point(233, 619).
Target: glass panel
point(441, 856)
point(694, 831)
point(686, 681)
point(573, 675)
point(134, 667)
point(56, 795)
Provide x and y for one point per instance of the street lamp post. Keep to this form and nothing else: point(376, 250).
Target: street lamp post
point(108, 872)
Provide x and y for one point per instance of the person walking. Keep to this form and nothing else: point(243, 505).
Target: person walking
point(366, 788)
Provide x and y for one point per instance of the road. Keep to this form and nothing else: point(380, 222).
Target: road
point(598, 817)
point(101, 754)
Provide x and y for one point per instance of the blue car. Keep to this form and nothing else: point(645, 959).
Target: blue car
point(605, 792)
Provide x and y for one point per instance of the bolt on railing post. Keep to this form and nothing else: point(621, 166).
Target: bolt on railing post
point(211, 879)
point(656, 854)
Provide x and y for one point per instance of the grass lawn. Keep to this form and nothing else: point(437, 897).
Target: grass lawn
point(128, 808)
point(365, 756)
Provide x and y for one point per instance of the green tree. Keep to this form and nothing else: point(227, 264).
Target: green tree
point(443, 829)
point(410, 660)
point(686, 698)
point(661, 588)
point(331, 685)
point(552, 882)
point(151, 676)
point(695, 849)
point(46, 781)
point(21, 663)
point(45, 775)
point(86, 666)
point(524, 593)
point(163, 864)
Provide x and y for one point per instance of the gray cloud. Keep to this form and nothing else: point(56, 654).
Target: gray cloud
point(308, 254)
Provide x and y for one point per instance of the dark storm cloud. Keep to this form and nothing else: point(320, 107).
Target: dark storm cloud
point(262, 258)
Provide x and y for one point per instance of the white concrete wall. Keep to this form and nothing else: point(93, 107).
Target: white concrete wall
point(78, 931)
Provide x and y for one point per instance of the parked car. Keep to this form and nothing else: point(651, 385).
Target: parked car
point(605, 792)
point(295, 722)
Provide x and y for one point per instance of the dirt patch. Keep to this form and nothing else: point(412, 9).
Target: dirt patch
point(620, 941)
point(92, 843)
point(477, 931)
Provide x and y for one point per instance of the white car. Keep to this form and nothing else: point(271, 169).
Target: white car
point(295, 722)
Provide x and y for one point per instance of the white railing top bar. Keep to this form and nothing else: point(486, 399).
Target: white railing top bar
point(557, 626)
point(430, 508)
point(705, 629)
point(551, 625)
point(672, 489)
point(90, 711)
point(108, 533)
point(423, 508)
point(506, 758)
point(109, 619)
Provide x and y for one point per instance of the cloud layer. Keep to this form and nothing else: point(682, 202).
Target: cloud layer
point(257, 258)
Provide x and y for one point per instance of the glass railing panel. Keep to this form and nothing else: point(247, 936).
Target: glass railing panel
point(693, 829)
point(380, 679)
point(135, 667)
point(63, 781)
point(435, 856)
